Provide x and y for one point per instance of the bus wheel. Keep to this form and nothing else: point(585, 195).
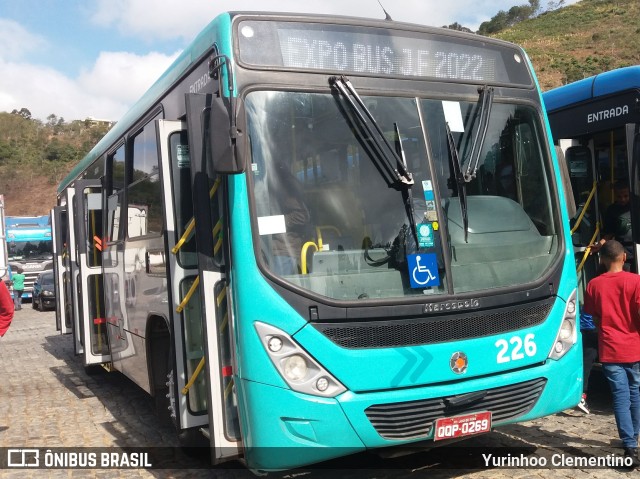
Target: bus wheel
point(194, 444)
point(93, 369)
point(170, 397)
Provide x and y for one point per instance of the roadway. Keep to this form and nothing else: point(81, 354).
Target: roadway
point(48, 401)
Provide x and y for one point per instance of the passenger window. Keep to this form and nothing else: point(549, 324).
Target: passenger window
point(181, 173)
point(117, 169)
point(144, 191)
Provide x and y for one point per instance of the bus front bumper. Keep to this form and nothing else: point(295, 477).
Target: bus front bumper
point(285, 429)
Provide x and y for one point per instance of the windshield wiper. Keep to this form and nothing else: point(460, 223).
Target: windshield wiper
point(459, 181)
point(407, 194)
point(383, 153)
point(470, 166)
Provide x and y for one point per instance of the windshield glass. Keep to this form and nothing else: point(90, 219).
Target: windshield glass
point(329, 222)
point(30, 249)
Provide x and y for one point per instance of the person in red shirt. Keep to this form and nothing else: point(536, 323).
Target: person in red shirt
point(613, 299)
point(6, 308)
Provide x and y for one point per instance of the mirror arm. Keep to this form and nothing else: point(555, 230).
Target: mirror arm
point(215, 65)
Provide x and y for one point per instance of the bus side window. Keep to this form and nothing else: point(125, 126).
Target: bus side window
point(144, 189)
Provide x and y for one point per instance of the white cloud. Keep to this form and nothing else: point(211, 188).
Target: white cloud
point(16, 41)
point(117, 79)
point(163, 19)
point(44, 91)
point(155, 19)
point(123, 76)
point(105, 91)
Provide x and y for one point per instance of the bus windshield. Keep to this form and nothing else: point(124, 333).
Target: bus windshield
point(327, 221)
point(30, 250)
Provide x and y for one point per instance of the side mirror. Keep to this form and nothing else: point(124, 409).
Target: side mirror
point(226, 158)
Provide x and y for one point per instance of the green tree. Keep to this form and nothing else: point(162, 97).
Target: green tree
point(516, 14)
point(24, 113)
point(458, 27)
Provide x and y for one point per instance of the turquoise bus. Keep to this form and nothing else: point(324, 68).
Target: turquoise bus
point(319, 235)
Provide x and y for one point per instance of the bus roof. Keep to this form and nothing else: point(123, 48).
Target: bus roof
point(604, 84)
point(202, 43)
point(27, 221)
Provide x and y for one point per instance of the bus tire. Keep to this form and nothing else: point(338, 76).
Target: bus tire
point(194, 444)
point(163, 402)
point(93, 369)
point(161, 372)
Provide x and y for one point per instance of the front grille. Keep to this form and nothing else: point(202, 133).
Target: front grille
point(379, 334)
point(29, 279)
point(415, 419)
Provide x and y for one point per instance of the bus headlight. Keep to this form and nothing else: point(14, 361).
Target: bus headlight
point(567, 334)
point(295, 368)
point(566, 330)
point(274, 344)
point(299, 370)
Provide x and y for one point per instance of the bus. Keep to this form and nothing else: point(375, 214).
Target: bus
point(30, 247)
point(595, 123)
point(320, 235)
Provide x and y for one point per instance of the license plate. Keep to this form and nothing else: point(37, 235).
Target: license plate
point(459, 426)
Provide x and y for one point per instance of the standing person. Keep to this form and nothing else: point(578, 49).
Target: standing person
point(6, 308)
point(617, 216)
point(18, 288)
point(613, 299)
point(617, 221)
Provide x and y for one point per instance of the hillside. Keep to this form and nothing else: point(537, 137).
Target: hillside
point(36, 156)
point(580, 40)
point(564, 45)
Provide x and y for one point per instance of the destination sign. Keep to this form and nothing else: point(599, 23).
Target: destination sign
point(378, 52)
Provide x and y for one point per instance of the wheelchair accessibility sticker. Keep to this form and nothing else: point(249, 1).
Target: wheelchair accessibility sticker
point(423, 270)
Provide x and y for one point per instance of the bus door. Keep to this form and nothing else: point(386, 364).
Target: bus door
point(89, 238)
point(580, 164)
point(633, 154)
point(200, 288)
point(61, 269)
point(188, 335)
point(73, 293)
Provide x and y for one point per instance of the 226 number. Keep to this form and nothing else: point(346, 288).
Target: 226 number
point(515, 348)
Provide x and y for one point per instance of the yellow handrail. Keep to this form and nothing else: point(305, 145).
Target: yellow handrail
point(216, 232)
point(319, 233)
point(192, 222)
point(186, 299)
point(185, 235)
point(221, 295)
point(194, 376)
point(229, 388)
point(588, 250)
point(585, 208)
point(303, 255)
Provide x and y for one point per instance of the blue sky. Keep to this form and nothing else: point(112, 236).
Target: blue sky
point(93, 58)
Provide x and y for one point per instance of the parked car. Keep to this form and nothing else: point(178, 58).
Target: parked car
point(44, 292)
